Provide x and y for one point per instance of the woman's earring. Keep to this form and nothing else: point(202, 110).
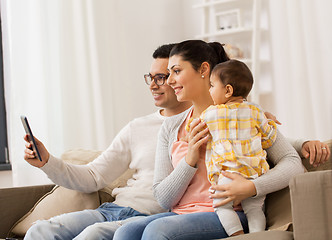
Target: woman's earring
point(202, 76)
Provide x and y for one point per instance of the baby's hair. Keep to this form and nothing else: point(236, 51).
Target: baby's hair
point(237, 74)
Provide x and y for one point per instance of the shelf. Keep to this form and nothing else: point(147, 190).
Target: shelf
point(208, 4)
point(226, 32)
point(245, 32)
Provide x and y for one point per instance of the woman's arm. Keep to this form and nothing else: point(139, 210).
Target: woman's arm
point(318, 151)
point(169, 183)
point(287, 164)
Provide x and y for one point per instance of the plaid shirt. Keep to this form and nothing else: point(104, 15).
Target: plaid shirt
point(239, 133)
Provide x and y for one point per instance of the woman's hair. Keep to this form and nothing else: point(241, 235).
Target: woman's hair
point(197, 51)
point(237, 74)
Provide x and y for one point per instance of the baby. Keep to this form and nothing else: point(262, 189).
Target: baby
point(240, 131)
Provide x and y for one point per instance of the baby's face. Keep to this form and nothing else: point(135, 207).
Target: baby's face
point(217, 90)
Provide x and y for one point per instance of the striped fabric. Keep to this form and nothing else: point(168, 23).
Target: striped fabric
point(240, 132)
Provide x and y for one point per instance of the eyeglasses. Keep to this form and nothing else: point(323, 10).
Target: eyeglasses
point(158, 79)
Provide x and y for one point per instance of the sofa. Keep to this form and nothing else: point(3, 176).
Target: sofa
point(302, 211)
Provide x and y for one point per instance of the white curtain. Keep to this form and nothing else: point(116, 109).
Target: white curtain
point(52, 75)
point(302, 50)
point(75, 68)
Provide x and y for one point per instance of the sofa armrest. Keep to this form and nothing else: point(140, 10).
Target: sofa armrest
point(17, 201)
point(311, 195)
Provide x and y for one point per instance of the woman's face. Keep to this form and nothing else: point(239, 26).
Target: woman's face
point(184, 79)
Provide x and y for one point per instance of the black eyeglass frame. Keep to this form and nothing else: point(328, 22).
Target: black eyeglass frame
point(159, 79)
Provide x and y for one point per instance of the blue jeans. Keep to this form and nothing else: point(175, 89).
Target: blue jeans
point(204, 225)
point(113, 212)
point(88, 224)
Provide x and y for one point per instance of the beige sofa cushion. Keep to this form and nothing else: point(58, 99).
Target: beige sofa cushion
point(267, 235)
point(58, 201)
point(82, 156)
point(278, 210)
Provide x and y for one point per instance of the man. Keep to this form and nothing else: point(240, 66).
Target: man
point(134, 147)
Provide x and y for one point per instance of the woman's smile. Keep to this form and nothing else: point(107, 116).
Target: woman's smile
point(177, 90)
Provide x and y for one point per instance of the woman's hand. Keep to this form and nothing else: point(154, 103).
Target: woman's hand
point(197, 136)
point(236, 191)
point(318, 152)
point(30, 156)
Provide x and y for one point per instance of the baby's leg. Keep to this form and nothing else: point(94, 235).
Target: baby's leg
point(253, 208)
point(227, 216)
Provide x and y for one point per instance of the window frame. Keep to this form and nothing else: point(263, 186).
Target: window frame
point(4, 156)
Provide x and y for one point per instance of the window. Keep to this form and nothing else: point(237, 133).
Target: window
point(4, 160)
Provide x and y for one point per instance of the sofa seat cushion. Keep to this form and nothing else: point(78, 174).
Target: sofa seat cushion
point(267, 235)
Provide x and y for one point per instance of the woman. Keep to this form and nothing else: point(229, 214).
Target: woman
point(180, 181)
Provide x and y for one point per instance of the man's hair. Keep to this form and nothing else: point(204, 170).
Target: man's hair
point(237, 74)
point(163, 51)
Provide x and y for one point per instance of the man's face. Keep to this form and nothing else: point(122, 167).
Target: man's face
point(163, 95)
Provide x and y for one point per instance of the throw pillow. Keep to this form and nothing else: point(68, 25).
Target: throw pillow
point(58, 201)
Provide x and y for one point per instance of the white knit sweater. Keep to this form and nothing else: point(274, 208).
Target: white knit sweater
point(134, 147)
point(170, 184)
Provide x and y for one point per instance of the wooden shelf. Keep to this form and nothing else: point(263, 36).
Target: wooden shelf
point(208, 4)
point(226, 32)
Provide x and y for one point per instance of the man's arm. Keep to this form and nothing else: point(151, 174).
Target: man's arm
point(317, 151)
point(102, 171)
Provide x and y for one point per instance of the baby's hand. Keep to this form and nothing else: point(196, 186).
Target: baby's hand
point(188, 124)
point(272, 117)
